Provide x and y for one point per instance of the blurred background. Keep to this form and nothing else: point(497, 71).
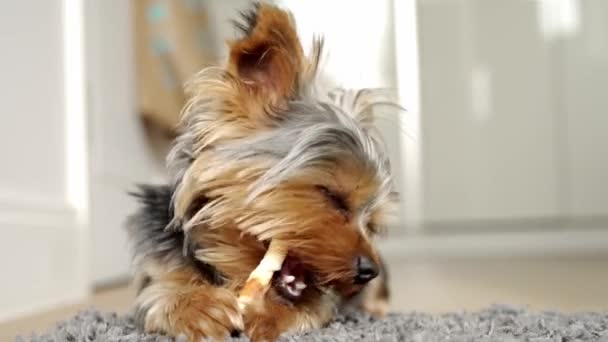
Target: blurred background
point(500, 157)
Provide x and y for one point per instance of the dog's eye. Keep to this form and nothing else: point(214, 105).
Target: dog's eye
point(336, 200)
point(376, 229)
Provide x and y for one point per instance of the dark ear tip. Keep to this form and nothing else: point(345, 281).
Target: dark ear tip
point(248, 19)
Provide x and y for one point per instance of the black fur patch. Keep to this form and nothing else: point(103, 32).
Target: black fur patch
point(147, 227)
point(248, 20)
point(150, 237)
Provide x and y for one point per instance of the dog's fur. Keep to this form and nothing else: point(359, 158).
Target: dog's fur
point(264, 152)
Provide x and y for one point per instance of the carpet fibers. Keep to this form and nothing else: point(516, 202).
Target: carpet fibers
point(497, 323)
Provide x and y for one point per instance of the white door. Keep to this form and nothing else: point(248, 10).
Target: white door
point(42, 257)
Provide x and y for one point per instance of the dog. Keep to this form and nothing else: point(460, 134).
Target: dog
point(265, 151)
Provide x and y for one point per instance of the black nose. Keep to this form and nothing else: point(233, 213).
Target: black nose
point(367, 270)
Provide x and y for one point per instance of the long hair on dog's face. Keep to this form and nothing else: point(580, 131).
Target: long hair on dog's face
point(265, 148)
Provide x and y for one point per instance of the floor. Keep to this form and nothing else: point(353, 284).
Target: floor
point(428, 285)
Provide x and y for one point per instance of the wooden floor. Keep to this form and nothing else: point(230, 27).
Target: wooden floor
point(432, 286)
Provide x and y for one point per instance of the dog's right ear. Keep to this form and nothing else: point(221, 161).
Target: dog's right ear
point(268, 59)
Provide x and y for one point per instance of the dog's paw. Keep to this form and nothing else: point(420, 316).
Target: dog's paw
point(264, 329)
point(210, 314)
point(266, 321)
point(199, 313)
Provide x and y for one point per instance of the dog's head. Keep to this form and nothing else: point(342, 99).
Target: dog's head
point(273, 153)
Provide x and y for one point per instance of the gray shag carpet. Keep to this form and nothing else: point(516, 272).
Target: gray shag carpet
point(497, 323)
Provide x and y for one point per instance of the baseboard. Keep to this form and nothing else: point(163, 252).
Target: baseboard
point(111, 283)
point(497, 244)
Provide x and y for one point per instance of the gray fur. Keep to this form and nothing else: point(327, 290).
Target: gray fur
point(316, 131)
point(311, 136)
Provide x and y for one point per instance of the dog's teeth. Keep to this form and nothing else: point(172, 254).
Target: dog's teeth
point(300, 286)
point(288, 278)
point(294, 292)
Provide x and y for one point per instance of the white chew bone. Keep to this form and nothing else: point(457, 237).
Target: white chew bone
point(259, 280)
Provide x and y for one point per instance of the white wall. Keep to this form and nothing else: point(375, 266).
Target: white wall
point(510, 151)
point(488, 136)
point(512, 111)
point(585, 115)
point(42, 255)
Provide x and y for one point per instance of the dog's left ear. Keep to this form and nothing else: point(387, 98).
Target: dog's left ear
point(269, 58)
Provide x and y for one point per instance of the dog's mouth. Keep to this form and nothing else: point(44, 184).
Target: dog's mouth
point(293, 278)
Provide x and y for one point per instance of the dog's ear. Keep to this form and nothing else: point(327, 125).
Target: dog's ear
point(268, 59)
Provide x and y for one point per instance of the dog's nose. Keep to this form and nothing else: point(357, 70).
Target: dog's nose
point(367, 269)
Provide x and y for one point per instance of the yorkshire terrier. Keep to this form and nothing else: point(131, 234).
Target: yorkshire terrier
point(264, 152)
